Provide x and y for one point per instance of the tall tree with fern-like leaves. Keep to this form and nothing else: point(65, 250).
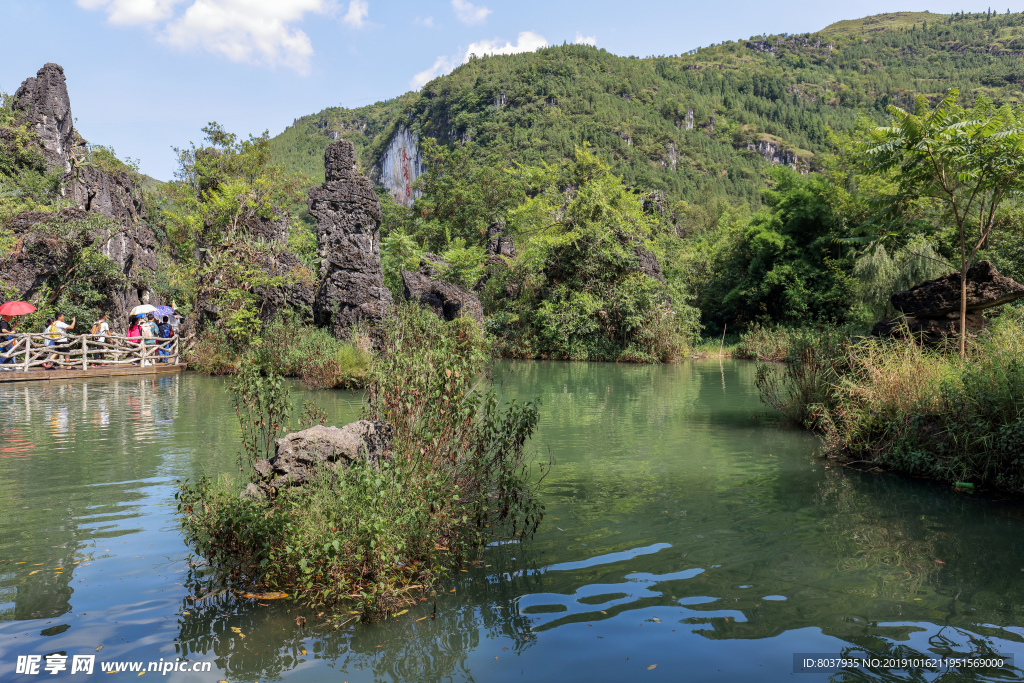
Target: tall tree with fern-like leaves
point(971, 160)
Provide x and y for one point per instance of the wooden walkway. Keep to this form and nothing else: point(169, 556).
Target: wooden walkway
point(112, 371)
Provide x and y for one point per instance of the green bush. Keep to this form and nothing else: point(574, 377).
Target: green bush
point(375, 536)
point(290, 348)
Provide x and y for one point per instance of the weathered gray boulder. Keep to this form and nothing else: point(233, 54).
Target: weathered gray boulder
point(499, 244)
point(447, 300)
point(348, 234)
point(648, 264)
point(939, 297)
point(931, 330)
point(296, 291)
point(300, 454)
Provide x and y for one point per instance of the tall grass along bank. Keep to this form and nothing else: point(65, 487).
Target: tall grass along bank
point(907, 408)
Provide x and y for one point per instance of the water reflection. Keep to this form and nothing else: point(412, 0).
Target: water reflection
point(683, 530)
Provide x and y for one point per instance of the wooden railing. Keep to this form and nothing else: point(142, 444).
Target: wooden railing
point(36, 350)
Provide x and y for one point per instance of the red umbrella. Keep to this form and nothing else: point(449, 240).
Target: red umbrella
point(16, 308)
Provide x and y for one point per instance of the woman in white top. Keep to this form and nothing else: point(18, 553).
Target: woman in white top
point(60, 345)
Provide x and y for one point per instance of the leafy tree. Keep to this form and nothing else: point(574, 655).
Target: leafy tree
point(582, 284)
point(787, 265)
point(462, 195)
point(224, 191)
point(970, 160)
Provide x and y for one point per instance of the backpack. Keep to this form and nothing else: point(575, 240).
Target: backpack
point(166, 331)
point(95, 328)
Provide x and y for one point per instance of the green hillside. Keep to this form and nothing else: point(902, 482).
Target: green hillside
point(779, 92)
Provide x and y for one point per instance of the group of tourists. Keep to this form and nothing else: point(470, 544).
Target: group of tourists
point(144, 330)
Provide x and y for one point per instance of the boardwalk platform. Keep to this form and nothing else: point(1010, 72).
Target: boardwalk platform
point(112, 371)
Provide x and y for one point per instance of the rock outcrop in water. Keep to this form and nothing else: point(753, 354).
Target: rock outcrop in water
point(932, 308)
point(299, 455)
point(348, 233)
point(447, 300)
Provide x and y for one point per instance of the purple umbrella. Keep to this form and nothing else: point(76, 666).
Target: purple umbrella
point(165, 310)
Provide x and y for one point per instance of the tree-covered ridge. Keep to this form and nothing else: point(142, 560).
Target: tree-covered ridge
point(768, 96)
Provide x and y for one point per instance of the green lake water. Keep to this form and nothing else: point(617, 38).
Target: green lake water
point(687, 537)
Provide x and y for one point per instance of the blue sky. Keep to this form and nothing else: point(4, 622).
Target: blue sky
point(146, 75)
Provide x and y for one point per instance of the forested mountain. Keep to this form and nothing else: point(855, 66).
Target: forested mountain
point(695, 125)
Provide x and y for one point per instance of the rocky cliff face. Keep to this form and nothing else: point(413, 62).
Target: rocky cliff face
point(775, 153)
point(400, 165)
point(348, 233)
point(43, 103)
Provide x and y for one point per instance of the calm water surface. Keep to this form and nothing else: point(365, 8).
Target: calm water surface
point(684, 532)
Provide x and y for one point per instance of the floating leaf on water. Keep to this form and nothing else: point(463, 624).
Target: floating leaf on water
point(185, 614)
point(272, 595)
point(398, 614)
point(99, 648)
point(236, 629)
point(652, 666)
point(24, 563)
point(303, 650)
point(35, 572)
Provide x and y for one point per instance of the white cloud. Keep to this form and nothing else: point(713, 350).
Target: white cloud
point(356, 15)
point(528, 41)
point(585, 40)
point(442, 66)
point(468, 13)
point(250, 31)
point(424, 21)
point(132, 11)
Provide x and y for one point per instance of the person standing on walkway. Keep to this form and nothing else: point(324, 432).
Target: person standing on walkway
point(61, 342)
point(100, 328)
point(134, 331)
point(148, 335)
point(166, 332)
point(6, 340)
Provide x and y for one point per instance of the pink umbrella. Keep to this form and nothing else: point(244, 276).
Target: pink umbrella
point(16, 308)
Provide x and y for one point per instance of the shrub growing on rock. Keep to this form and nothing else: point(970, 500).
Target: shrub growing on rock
point(375, 533)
